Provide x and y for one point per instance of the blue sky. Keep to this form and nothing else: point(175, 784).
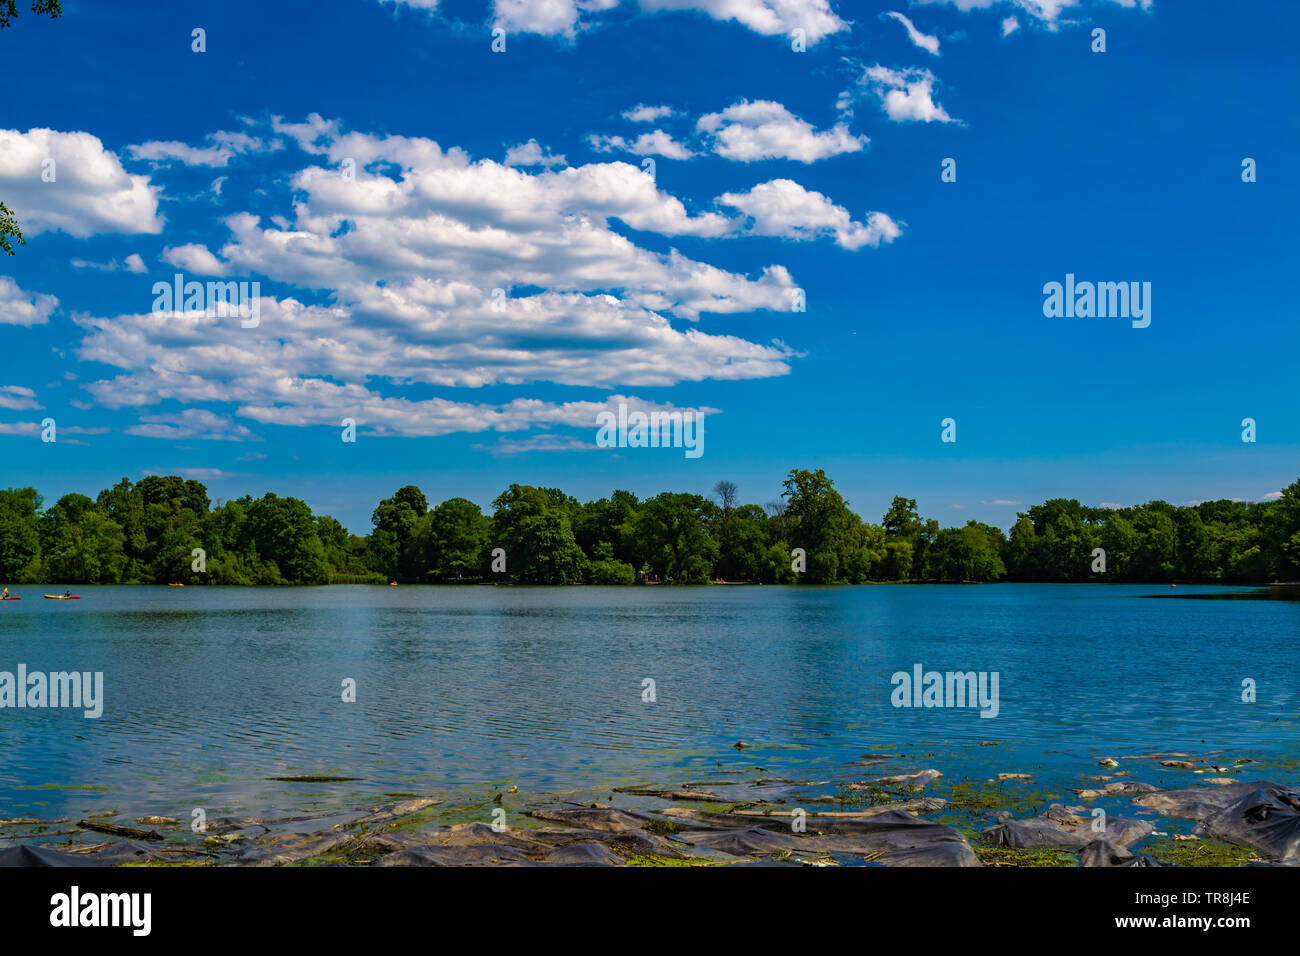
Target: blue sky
point(773, 170)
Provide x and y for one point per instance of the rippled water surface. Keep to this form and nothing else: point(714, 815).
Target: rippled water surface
point(210, 691)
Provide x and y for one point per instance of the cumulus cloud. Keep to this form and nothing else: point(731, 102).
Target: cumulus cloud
point(767, 17)
point(1009, 26)
point(657, 143)
point(435, 270)
point(531, 154)
point(784, 208)
point(24, 308)
point(70, 182)
point(928, 43)
point(194, 258)
point(905, 95)
point(547, 17)
point(647, 114)
point(762, 129)
point(417, 211)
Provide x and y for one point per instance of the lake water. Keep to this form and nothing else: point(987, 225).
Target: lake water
point(211, 691)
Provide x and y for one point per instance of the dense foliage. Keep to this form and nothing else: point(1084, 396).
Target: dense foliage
point(165, 530)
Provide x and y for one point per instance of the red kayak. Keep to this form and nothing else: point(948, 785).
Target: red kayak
point(14, 598)
point(63, 597)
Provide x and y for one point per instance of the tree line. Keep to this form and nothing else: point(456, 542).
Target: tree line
point(165, 529)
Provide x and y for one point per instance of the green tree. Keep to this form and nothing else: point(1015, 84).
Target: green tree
point(398, 545)
point(124, 504)
point(608, 521)
point(20, 539)
point(901, 520)
point(284, 533)
point(81, 543)
point(174, 510)
point(820, 522)
point(533, 528)
point(672, 532)
point(458, 533)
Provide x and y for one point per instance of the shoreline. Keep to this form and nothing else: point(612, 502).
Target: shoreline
point(918, 817)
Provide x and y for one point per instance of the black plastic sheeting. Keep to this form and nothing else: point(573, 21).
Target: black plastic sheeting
point(1060, 827)
point(1266, 819)
point(1104, 853)
point(40, 856)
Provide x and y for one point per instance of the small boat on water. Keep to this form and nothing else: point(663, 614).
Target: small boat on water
point(63, 597)
point(176, 585)
point(11, 597)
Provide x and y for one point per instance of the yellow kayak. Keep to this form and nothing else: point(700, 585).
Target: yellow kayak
point(63, 597)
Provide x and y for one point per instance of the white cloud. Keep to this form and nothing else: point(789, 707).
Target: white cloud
point(531, 154)
point(657, 143)
point(647, 114)
point(905, 95)
point(571, 339)
point(191, 423)
point(407, 258)
point(1009, 26)
point(18, 398)
point(90, 193)
point(767, 17)
point(749, 131)
point(1272, 496)
point(194, 258)
point(24, 308)
point(547, 17)
point(195, 474)
point(132, 263)
point(928, 43)
point(786, 209)
point(307, 134)
point(1006, 502)
point(223, 146)
point(1047, 12)
point(489, 226)
point(546, 441)
point(22, 428)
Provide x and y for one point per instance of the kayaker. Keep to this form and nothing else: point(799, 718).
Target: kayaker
point(6, 592)
point(67, 593)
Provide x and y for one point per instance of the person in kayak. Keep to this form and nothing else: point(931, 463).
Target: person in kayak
point(67, 593)
point(6, 592)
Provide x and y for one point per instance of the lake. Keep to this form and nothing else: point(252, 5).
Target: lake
point(208, 692)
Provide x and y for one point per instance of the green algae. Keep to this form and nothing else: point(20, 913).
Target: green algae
point(1035, 856)
point(1200, 853)
point(633, 858)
